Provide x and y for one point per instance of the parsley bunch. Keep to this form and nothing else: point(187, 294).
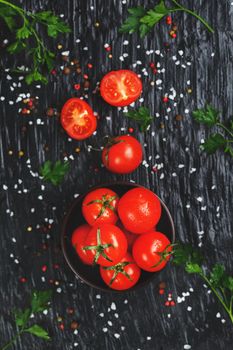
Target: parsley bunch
point(144, 20)
point(209, 117)
point(217, 279)
point(141, 116)
point(39, 303)
point(54, 173)
point(28, 38)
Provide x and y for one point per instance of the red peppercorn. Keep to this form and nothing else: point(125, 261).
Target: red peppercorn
point(23, 280)
point(89, 65)
point(61, 326)
point(53, 72)
point(108, 49)
point(169, 20)
point(172, 303)
point(131, 130)
point(152, 65)
point(30, 103)
point(174, 35)
point(165, 99)
point(85, 76)
point(167, 303)
point(56, 266)
point(76, 86)
point(155, 71)
point(24, 111)
point(161, 291)
point(44, 268)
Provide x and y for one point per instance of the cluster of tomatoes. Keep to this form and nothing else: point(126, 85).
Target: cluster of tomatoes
point(122, 154)
point(120, 235)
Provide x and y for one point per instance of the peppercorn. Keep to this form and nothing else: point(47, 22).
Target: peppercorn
point(66, 71)
point(74, 325)
point(179, 117)
point(162, 285)
point(86, 84)
point(50, 112)
point(79, 70)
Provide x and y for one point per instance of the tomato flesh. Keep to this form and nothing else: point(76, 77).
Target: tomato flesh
point(120, 88)
point(77, 118)
point(146, 251)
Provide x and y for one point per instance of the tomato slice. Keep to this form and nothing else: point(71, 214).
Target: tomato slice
point(77, 118)
point(120, 88)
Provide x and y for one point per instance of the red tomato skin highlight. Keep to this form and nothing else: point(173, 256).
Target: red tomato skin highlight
point(145, 248)
point(139, 210)
point(109, 234)
point(113, 83)
point(90, 124)
point(78, 241)
point(90, 212)
point(122, 282)
point(123, 157)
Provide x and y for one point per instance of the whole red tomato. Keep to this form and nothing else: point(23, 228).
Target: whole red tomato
point(99, 206)
point(122, 154)
point(78, 119)
point(139, 210)
point(120, 88)
point(78, 241)
point(105, 245)
point(122, 276)
point(151, 251)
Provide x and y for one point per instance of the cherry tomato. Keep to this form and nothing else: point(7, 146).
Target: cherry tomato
point(151, 251)
point(77, 118)
point(122, 276)
point(139, 210)
point(122, 155)
point(120, 88)
point(78, 238)
point(99, 206)
point(106, 244)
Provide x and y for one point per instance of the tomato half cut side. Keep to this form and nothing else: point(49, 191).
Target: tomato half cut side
point(120, 88)
point(78, 119)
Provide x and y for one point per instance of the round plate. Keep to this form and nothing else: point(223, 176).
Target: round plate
point(74, 218)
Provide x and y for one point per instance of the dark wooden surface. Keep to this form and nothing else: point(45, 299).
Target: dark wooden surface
point(143, 316)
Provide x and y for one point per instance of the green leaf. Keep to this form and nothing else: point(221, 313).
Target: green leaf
point(153, 16)
point(16, 47)
point(40, 299)
point(49, 59)
point(184, 253)
point(217, 274)
point(213, 143)
point(23, 33)
point(193, 268)
point(132, 23)
point(228, 283)
point(229, 150)
point(207, 115)
point(38, 331)
point(54, 173)
point(35, 76)
point(141, 116)
point(8, 13)
point(22, 317)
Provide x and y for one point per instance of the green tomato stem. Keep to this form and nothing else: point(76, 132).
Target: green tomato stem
point(13, 340)
point(201, 19)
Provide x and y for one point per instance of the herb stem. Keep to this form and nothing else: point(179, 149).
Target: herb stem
point(227, 309)
point(226, 129)
point(201, 19)
point(13, 340)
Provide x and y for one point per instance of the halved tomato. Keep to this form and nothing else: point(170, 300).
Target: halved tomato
point(120, 88)
point(77, 118)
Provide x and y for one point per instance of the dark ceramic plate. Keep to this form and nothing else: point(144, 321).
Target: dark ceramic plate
point(74, 218)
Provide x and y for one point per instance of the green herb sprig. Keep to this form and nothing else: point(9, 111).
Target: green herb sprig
point(54, 173)
point(28, 38)
point(39, 303)
point(142, 116)
point(209, 117)
point(142, 20)
point(217, 279)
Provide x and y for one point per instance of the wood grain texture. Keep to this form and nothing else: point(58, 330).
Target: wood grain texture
point(144, 315)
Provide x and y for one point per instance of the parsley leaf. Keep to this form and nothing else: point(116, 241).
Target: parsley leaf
point(40, 299)
point(141, 116)
point(38, 331)
point(213, 143)
point(35, 76)
point(8, 15)
point(217, 274)
point(23, 33)
point(207, 115)
point(16, 47)
point(193, 268)
point(153, 16)
point(22, 317)
point(132, 23)
point(54, 173)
